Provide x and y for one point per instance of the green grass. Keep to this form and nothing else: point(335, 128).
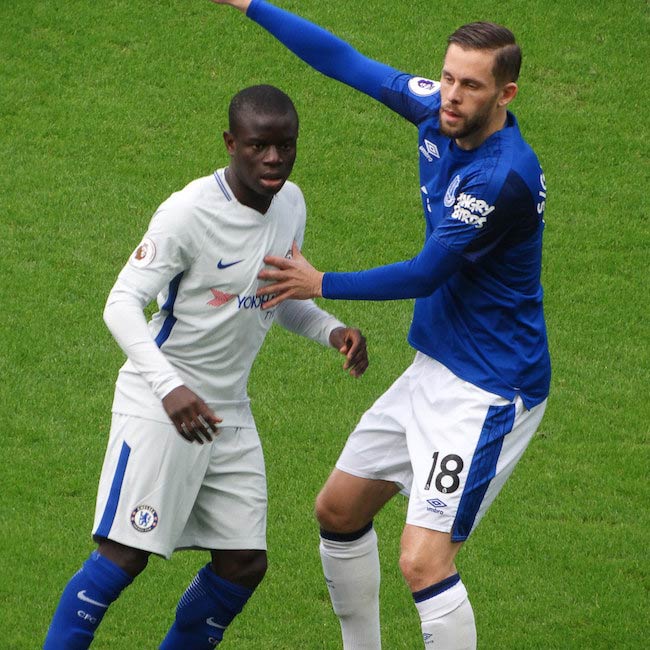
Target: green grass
point(106, 108)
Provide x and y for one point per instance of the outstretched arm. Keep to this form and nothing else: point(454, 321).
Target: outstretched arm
point(415, 278)
point(317, 47)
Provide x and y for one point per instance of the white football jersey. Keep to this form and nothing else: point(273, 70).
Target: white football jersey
point(200, 257)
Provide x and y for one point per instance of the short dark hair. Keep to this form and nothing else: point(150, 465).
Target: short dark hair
point(262, 99)
point(490, 36)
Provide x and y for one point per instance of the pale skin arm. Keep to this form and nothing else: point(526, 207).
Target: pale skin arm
point(242, 5)
point(292, 278)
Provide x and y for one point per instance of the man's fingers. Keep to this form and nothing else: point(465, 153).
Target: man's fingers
point(270, 274)
point(209, 426)
point(278, 262)
point(208, 429)
point(200, 428)
point(356, 356)
point(188, 433)
point(276, 300)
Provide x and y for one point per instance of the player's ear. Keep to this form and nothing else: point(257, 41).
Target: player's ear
point(229, 140)
point(508, 93)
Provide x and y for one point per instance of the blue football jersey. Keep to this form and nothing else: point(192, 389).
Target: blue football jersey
point(486, 321)
point(476, 281)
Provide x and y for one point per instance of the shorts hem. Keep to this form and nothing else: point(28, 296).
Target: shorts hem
point(371, 477)
point(439, 528)
point(152, 548)
point(244, 544)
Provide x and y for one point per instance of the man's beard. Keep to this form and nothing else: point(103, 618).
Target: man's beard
point(468, 127)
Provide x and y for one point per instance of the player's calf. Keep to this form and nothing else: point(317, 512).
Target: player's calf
point(84, 602)
point(204, 612)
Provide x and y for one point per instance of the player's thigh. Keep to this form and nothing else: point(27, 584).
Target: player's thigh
point(148, 484)
point(374, 464)
point(230, 510)
point(346, 503)
point(464, 443)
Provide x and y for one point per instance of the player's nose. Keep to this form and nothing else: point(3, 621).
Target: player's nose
point(453, 93)
point(272, 155)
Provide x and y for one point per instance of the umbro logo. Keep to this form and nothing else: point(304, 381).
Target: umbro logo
point(429, 150)
point(223, 265)
point(436, 503)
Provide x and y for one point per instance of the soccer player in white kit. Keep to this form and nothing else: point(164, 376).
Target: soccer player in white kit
point(184, 467)
point(451, 429)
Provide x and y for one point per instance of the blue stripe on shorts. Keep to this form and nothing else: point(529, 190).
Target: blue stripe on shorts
point(498, 423)
point(110, 510)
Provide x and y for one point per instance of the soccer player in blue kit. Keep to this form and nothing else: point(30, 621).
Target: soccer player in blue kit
point(184, 467)
point(451, 429)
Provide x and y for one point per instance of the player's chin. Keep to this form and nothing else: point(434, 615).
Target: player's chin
point(450, 131)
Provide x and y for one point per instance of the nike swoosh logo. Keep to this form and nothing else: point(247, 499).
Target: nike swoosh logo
point(82, 596)
point(213, 623)
point(221, 265)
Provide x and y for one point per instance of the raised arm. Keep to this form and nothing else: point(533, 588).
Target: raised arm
point(319, 48)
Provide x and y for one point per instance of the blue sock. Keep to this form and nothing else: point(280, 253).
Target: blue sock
point(204, 612)
point(84, 602)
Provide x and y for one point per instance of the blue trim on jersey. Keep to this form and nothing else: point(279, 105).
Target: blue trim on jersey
point(108, 517)
point(170, 321)
point(498, 423)
point(222, 187)
point(435, 590)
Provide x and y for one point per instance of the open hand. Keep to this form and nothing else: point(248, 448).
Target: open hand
point(294, 278)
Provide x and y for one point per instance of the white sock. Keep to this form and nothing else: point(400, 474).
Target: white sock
point(446, 616)
point(351, 570)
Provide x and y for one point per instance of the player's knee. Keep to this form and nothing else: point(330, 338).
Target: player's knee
point(334, 516)
point(131, 560)
point(246, 568)
point(421, 570)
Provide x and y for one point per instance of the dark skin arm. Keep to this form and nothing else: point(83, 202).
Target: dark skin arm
point(191, 416)
point(196, 422)
point(351, 342)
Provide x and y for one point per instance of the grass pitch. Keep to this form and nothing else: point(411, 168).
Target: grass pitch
point(106, 108)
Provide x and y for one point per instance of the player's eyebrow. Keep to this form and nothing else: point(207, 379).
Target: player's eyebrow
point(463, 80)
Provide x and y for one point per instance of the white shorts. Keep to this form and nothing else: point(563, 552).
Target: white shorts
point(158, 492)
point(448, 444)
